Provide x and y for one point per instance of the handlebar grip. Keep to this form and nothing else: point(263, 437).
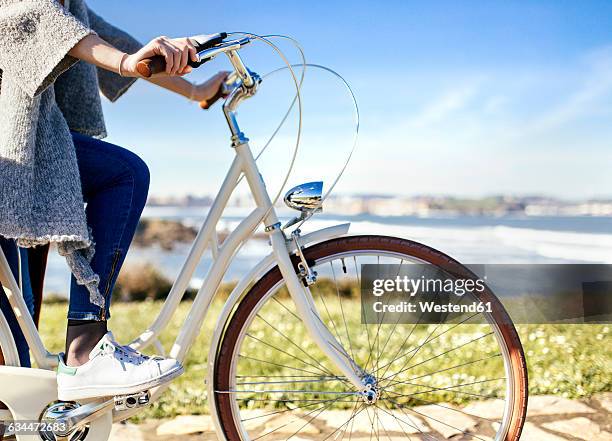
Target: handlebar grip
point(157, 64)
point(207, 104)
point(151, 66)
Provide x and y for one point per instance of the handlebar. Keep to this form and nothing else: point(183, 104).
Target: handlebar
point(207, 51)
point(208, 48)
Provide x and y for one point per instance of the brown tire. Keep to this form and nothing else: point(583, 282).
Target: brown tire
point(272, 279)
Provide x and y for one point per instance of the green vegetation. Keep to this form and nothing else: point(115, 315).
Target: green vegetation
point(567, 360)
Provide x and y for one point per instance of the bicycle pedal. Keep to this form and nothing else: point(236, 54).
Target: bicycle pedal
point(140, 399)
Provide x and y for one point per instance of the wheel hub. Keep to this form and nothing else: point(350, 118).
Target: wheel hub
point(371, 392)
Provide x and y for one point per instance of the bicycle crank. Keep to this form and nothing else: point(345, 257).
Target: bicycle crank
point(70, 420)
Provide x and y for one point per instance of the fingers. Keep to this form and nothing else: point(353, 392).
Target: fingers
point(189, 53)
point(222, 76)
point(161, 46)
point(177, 53)
point(193, 53)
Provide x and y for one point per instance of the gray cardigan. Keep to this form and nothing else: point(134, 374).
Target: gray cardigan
point(45, 93)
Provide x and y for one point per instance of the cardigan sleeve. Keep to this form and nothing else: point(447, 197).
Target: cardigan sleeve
point(35, 38)
point(113, 85)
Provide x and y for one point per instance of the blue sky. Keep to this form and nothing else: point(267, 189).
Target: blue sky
point(465, 98)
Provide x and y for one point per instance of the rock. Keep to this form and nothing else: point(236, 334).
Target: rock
point(581, 428)
point(552, 405)
point(533, 432)
point(290, 422)
point(186, 424)
point(335, 419)
point(399, 422)
point(394, 421)
point(253, 419)
point(538, 405)
point(165, 233)
point(123, 431)
point(489, 409)
point(445, 420)
point(605, 400)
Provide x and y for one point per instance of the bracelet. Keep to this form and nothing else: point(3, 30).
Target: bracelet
point(121, 63)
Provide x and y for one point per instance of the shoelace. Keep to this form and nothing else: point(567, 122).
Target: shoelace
point(125, 353)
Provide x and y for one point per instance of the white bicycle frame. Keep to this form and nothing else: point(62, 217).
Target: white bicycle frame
point(223, 254)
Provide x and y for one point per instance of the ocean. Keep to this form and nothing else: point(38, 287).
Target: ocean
point(470, 239)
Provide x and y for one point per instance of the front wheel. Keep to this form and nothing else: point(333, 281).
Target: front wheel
point(272, 382)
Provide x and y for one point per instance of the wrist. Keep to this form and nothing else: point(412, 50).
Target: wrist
point(192, 92)
point(121, 70)
point(127, 66)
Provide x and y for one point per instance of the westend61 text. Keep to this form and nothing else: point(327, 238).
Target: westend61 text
point(479, 307)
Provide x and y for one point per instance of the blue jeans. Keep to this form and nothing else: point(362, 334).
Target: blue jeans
point(10, 250)
point(115, 184)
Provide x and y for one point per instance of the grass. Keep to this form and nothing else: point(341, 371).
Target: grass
point(573, 361)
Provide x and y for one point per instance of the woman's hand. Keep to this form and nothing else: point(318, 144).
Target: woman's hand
point(176, 51)
point(209, 88)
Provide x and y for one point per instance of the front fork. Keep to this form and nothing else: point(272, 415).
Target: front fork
point(305, 306)
point(299, 293)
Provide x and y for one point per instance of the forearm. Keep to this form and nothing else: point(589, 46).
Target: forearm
point(174, 84)
point(94, 50)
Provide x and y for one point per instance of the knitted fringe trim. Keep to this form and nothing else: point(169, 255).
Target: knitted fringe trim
point(78, 252)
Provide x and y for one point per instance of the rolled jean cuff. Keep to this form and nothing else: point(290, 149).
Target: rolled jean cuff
point(93, 316)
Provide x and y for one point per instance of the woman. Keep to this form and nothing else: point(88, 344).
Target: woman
point(52, 162)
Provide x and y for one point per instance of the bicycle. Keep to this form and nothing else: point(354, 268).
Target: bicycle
point(289, 352)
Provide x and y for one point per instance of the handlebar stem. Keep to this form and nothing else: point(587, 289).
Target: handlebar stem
point(231, 104)
point(240, 68)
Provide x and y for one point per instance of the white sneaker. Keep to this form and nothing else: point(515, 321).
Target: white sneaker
point(113, 370)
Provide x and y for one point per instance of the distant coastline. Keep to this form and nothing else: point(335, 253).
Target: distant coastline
point(426, 206)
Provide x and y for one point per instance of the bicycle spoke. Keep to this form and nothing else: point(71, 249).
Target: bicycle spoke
point(366, 325)
point(400, 426)
point(437, 389)
point(293, 381)
point(454, 409)
point(285, 410)
point(441, 422)
point(291, 400)
point(439, 355)
point(290, 422)
point(348, 335)
point(333, 323)
point(322, 367)
point(427, 341)
point(354, 413)
point(449, 368)
point(279, 391)
point(307, 422)
point(372, 432)
point(399, 316)
point(381, 423)
point(287, 353)
point(411, 424)
point(287, 309)
point(277, 364)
